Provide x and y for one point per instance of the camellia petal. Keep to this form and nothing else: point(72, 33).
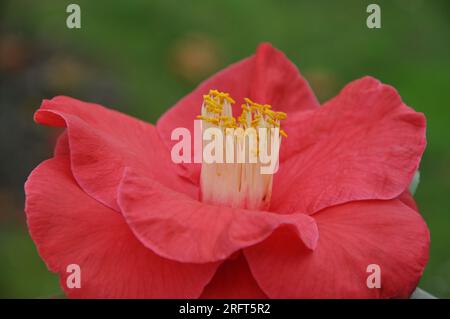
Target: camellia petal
point(70, 227)
point(353, 236)
point(267, 77)
point(363, 144)
point(177, 227)
point(102, 142)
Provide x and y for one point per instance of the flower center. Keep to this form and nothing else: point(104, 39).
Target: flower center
point(240, 155)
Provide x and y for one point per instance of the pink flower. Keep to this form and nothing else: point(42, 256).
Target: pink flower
point(112, 201)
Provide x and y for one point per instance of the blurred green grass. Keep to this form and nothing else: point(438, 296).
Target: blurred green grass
point(138, 42)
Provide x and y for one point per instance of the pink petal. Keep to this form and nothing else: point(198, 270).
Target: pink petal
point(233, 280)
point(266, 77)
point(70, 227)
point(352, 236)
point(102, 142)
point(363, 144)
point(179, 228)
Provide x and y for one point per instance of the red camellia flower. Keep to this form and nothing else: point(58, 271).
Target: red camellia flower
point(112, 201)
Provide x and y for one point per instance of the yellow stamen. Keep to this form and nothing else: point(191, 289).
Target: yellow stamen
point(280, 115)
point(221, 96)
point(270, 121)
point(248, 101)
point(217, 104)
point(244, 185)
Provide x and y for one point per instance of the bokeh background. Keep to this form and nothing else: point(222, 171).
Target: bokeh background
point(142, 56)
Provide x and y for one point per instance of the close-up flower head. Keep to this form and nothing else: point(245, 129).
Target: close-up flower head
point(186, 158)
point(339, 203)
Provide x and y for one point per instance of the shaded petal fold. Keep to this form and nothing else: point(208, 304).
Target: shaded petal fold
point(233, 280)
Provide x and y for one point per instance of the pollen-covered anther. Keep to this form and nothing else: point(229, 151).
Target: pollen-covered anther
point(249, 146)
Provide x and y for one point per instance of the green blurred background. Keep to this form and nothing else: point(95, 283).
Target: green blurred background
point(142, 56)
